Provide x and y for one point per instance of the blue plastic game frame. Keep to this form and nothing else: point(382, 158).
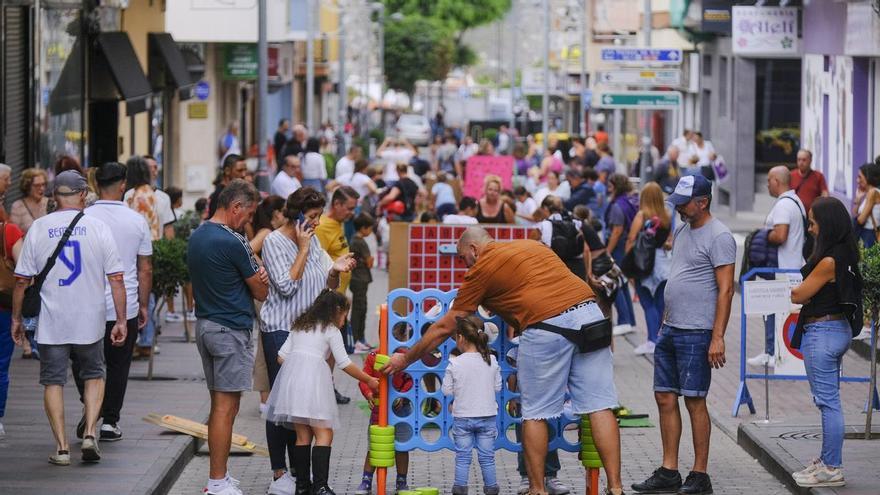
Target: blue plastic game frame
point(416, 320)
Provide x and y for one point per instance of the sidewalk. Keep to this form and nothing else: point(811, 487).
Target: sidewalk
point(733, 471)
point(145, 461)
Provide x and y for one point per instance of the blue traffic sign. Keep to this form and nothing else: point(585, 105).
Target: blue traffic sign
point(649, 55)
point(202, 90)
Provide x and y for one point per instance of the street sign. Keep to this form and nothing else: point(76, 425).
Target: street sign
point(202, 90)
point(641, 77)
point(642, 55)
point(646, 100)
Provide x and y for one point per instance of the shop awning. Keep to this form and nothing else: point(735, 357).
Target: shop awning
point(115, 55)
point(167, 66)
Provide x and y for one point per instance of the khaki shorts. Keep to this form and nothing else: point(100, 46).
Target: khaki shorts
point(227, 356)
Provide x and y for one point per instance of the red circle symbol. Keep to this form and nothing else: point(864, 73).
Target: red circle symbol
point(788, 332)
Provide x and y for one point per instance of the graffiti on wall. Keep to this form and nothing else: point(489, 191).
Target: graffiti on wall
point(826, 127)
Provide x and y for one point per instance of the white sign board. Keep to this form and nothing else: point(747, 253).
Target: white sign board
point(765, 31)
point(641, 77)
point(763, 297)
point(224, 21)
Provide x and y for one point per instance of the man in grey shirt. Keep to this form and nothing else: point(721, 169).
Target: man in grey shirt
point(698, 297)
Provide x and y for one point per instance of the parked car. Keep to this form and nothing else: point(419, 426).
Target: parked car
point(415, 128)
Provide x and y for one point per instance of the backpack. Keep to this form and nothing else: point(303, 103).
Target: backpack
point(807, 246)
point(761, 254)
point(629, 205)
point(566, 240)
point(638, 263)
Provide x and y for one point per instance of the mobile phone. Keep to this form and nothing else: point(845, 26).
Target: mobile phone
point(301, 219)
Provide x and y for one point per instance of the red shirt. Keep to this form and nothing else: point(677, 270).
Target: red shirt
point(808, 188)
point(12, 234)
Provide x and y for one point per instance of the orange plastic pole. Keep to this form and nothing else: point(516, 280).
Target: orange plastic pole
point(382, 472)
point(592, 481)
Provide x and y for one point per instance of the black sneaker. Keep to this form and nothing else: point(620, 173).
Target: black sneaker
point(324, 490)
point(662, 481)
point(110, 433)
point(341, 399)
point(696, 483)
point(81, 427)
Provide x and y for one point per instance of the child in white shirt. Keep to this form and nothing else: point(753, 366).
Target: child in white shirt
point(473, 378)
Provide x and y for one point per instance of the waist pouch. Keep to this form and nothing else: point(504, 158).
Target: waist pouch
point(591, 336)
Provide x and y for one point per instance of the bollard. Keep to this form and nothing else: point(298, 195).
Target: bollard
point(590, 456)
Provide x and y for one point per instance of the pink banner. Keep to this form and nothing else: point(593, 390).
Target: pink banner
point(478, 167)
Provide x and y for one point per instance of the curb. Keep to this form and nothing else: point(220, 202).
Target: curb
point(164, 473)
point(774, 459)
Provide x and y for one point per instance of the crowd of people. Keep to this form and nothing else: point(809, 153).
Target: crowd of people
point(270, 278)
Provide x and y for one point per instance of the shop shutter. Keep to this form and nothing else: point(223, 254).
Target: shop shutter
point(16, 115)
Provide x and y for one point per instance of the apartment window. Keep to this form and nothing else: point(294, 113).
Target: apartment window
point(707, 65)
point(722, 87)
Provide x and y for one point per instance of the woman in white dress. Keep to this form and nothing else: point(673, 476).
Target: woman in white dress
point(303, 390)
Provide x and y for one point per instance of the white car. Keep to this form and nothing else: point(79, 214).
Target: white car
point(415, 128)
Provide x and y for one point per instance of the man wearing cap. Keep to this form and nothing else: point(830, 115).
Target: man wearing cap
point(698, 296)
point(135, 248)
point(69, 324)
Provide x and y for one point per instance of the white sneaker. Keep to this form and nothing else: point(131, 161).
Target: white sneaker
point(646, 348)
point(191, 316)
point(263, 408)
point(555, 487)
point(811, 467)
point(822, 476)
point(285, 485)
point(361, 348)
point(761, 360)
point(173, 317)
point(622, 329)
point(2, 431)
point(230, 489)
point(865, 334)
point(523, 486)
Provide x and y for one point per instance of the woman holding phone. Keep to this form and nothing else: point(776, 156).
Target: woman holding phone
point(299, 269)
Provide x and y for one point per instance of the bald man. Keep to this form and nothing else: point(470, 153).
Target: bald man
point(786, 225)
point(809, 184)
point(528, 286)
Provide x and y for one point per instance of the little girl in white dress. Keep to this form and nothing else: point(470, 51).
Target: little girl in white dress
point(303, 391)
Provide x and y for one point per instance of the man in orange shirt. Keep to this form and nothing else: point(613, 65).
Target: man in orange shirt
point(526, 284)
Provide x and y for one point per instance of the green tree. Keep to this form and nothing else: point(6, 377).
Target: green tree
point(458, 15)
point(416, 48)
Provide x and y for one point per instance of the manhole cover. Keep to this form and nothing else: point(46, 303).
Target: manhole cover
point(802, 435)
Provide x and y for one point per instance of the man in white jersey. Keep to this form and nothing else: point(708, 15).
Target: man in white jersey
point(73, 288)
point(135, 247)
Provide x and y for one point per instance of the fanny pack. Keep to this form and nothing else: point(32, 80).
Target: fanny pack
point(591, 336)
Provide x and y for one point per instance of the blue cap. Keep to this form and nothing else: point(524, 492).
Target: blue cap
point(688, 188)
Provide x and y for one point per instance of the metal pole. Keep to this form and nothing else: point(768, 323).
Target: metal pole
point(366, 129)
point(342, 89)
point(581, 111)
point(262, 97)
point(545, 98)
point(381, 13)
point(646, 142)
point(514, 42)
point(310, 65)
point(873, 383)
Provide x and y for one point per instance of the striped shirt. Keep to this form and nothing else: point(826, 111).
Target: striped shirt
point(288, 299)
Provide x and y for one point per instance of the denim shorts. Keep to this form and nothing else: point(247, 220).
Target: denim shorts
point(227, 356)
point(549, 365)
point(681, 361)
point(54, 360)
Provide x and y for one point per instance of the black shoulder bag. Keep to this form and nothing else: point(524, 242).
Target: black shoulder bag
point(30, 306)
point(591, 336)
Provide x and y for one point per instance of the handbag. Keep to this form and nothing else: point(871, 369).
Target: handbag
point(30, 305)
point(590, 337)
point(7, 272)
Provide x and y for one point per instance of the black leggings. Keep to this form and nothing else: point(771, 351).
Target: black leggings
point(278, 438)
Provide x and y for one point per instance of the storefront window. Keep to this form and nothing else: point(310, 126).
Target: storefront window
point(61, 86)
point(777, 113)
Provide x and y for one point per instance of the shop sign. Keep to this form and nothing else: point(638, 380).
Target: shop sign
point(197, 110)
point(240, 61)
point(716, 16)
point(202, 90)
point(765, 31)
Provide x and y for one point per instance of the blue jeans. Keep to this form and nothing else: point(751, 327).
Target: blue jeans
point(681, 362)
point(30, 331)
point(823, 346)
point(653, 305)
point(149, 331)
point(770, 334)
point(316, 184)
point(623, 301)
point(479, 432)
point(7, 346)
